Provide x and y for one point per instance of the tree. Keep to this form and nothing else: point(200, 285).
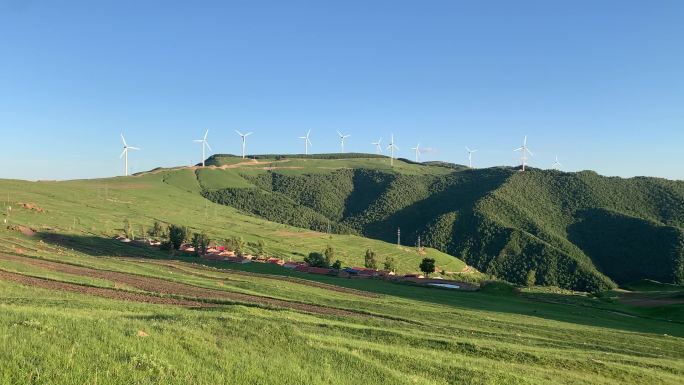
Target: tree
point(427, 266)
point(531, 278)
point(260, 248)
point(235, 244)
point(316, 259)
point(128, 229)
point(329, 254)
point(177, 235)
point(337, 265)
point(390, 264)
point(157, 230)
point(369, 260)
point(200, 242)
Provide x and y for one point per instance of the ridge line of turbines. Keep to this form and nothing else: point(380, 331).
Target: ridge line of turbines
point(392, 147)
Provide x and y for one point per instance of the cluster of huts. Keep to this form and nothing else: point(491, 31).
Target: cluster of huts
point(220, 253)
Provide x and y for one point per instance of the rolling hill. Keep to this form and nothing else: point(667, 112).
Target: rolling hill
point(78, 307)
point(579, 231)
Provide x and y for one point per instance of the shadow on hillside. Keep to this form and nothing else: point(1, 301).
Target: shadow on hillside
point(98, 246)
point(549, 306)
point(628, 249)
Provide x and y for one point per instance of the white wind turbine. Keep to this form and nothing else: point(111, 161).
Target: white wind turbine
point(243, 137)
point(523, 153)
point(126, 147)
point(204, 143)
point(307, 142)
point(470, 156)
point(417, 150)
point(392, 147)
point(342, 138)
point(557, 165)
point(378, 146)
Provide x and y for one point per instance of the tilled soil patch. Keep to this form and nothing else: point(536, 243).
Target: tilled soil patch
point(97, 291)
point(161, 286)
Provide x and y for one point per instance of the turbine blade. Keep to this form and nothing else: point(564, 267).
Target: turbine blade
point(208, 146)
point(340, 134)
point(239, 133)
point(198, 140)
point(205, 134)
point(123, 140)
point(248, 134)
point(518, 149)
point(122, 153)
point(133, 148)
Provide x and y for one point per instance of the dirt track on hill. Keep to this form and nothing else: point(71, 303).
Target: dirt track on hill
point(156, 285)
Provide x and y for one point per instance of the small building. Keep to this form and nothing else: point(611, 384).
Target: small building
point(320, 270)
point(275, 261)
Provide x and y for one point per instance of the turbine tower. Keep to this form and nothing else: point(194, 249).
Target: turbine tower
point(470, 156)
point(378, 147)
point(392, 147)
point(342, 138)
point(557, 165)
point(524, 150)
point(124, 154)
point(417, 150)
point(243, 137)
point(307, 142)
point(204, 143)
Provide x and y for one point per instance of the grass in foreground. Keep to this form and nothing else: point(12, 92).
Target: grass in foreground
point(399, 335)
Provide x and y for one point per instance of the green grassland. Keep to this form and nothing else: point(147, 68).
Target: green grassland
point(397, 334)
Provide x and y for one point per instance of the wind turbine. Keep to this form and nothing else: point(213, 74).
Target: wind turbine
point(126, 147)
point(557, 165)
point(342, 138)
point(470, 156)
point(417, 150)
point(204, 143)
point(244, 139)
point(392, 147)
point(307, 142)
point(378, 147)
point(523, 153)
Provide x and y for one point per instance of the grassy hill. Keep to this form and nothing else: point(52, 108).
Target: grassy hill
point(98, 208)
point(574, 230)
point(78, 307)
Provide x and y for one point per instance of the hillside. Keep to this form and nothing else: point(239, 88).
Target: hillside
point(78, 307)
point(574, 230)
point(96, 209)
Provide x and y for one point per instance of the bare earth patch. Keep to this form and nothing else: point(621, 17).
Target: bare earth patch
point(156, 285)
point(97, 291)
point(637, 299)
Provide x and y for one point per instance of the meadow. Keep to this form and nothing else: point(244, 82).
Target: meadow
point(78, 307)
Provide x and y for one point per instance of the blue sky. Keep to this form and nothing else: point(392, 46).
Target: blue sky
point(598, 83)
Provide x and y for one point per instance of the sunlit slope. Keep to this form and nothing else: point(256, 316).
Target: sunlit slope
point(100, 207)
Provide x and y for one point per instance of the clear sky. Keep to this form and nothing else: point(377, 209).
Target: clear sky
point(598, 83)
